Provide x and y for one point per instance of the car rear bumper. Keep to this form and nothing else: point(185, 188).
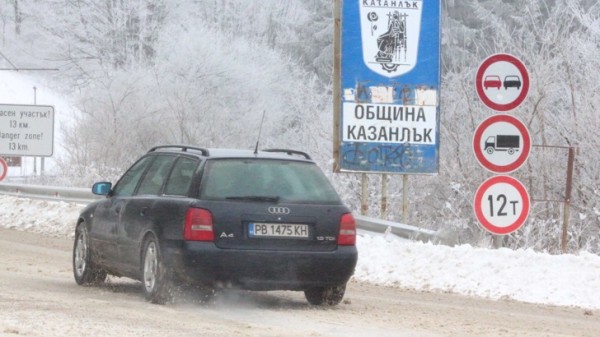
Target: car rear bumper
point(204, 263)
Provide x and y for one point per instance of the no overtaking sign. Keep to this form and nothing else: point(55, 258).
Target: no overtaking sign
point(502, 82)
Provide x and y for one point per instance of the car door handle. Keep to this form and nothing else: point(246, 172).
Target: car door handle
point(118, 209)
point(143, 211)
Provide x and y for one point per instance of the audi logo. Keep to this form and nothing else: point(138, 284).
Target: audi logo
point(279, 210)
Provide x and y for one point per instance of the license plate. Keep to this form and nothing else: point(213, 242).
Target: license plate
point(277, 230)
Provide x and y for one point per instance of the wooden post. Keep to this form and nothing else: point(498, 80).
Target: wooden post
point(405, 198)
point(384, 179)
point(364, 206)
point(337, 83)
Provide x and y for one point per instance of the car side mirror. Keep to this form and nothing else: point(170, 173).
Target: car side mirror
point(101, 188)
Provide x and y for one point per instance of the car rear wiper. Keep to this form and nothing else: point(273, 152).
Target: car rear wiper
point(254, 198)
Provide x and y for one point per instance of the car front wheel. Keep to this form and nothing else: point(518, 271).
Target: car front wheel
point(84, 270)
point(155, 280)
point(325, 295)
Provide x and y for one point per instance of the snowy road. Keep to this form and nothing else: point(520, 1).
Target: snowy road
point(38, 297)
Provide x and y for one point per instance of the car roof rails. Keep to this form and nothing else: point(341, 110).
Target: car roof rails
point(183, 148)
point(290, 152)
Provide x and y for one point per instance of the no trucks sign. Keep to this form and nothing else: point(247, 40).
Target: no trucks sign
point(501, 144)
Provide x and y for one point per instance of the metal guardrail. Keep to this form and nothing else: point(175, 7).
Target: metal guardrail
point(85, 196)
point(399, 229)
point(51, 193)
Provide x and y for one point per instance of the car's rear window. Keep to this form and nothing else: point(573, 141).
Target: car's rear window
point(288, 181)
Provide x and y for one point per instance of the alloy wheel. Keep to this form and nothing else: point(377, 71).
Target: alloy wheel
point(150, 266)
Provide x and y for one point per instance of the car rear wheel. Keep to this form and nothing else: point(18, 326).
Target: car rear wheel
point(155, 280)
point(325, 295)
point(84, 269)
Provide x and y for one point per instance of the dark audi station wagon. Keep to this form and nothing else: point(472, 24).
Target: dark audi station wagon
point(215, 218)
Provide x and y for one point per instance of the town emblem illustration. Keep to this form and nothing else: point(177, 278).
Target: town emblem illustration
point(390, 35)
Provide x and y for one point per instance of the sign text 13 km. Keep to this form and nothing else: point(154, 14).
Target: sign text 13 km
point(26, 130)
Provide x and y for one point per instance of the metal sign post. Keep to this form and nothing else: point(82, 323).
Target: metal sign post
point(567, 206)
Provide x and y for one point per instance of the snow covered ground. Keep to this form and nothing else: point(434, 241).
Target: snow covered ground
point(522, 275)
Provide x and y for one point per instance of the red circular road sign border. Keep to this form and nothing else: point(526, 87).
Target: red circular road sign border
point(479, 152)
point(479, 82)
point(479, 211)
point(4, 169)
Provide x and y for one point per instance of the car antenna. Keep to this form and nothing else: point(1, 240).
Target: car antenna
point(259, 132)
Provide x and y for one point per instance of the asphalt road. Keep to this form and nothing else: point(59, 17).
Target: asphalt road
point(38, 297)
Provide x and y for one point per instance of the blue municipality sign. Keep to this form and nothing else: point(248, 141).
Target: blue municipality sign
point(390, 78)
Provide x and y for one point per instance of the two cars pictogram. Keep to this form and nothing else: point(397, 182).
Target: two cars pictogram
point(494, 81)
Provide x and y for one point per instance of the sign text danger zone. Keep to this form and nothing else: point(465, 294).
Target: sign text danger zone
point(26, 130)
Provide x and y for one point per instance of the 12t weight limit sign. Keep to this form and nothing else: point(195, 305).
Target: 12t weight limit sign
point(501, 205)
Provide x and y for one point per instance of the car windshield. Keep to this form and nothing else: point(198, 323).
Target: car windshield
point(266, 180)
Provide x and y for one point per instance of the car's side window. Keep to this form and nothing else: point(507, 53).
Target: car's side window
point(181, 177)
point(157, 174)
point(129, 181)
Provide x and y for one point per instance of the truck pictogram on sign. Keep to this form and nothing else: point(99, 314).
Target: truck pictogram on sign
point(508, 143)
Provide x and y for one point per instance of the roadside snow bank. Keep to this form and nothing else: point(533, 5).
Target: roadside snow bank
point(523, 275)
point(39, 216)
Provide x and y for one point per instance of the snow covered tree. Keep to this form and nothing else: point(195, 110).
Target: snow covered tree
point(203, 72)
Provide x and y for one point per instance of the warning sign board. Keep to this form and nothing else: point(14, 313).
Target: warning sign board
point(26, 130)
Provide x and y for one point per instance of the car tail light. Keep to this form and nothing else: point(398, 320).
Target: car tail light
point(198, 225)
point(347, 235)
